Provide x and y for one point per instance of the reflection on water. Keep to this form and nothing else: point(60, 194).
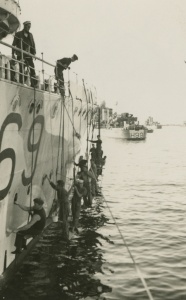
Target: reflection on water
point(148, 200)
point(57, 269)
point(144, 186)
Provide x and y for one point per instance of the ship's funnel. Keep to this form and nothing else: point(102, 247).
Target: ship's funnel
point(9, 17)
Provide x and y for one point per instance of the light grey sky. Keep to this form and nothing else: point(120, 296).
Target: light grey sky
point(133, 51)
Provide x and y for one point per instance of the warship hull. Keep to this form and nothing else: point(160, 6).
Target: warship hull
point(40, 134)
point(122, 133)
point(134, 135)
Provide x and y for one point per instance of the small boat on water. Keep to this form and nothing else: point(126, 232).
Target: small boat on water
point(158, 126)
point(126, 126)
point(134, 132)
point(151, 125)
point(150, 130)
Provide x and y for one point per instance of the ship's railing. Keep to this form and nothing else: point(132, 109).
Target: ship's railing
point(18, 71)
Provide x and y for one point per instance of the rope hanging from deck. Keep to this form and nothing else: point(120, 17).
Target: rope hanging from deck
point(59, 139)
point(51, 135)
point(70, 120)
point(87, 116)
point(73, 141)
point(32, 159)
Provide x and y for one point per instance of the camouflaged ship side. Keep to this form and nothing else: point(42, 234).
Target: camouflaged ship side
point(40, 133)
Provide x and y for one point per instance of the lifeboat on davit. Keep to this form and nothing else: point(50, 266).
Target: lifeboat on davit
point(9, 17)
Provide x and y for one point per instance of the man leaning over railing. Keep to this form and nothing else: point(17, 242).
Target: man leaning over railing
point(61, 65)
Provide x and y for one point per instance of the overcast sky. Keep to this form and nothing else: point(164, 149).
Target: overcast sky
point(133, 51)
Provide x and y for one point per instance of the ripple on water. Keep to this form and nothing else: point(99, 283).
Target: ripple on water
point(144, 187)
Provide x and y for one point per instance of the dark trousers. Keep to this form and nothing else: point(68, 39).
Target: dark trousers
point(98, 156)
point(61, 83)
point(20, 241)
point(76, 208)
point(63, 210)
point(88, 197)
point(28, 62)
point(63, 216)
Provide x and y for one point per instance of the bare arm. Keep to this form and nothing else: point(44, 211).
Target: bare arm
point(90, 175)
point(23, 207)
point(52, 184)
point(92, 141)
point(78, 193)
point(35, 219)
point(68, 193)
point(93, 173)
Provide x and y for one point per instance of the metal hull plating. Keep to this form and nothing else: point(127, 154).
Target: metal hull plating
point(124, 133)
point(159, 126)
point(135, 135)
point(40, 134)
point(112, 132)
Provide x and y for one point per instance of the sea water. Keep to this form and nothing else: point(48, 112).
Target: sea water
point(131, 241)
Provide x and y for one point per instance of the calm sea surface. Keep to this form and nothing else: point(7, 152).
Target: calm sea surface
point(144, 187)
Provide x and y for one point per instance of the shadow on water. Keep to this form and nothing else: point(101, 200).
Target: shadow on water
point(57, 269)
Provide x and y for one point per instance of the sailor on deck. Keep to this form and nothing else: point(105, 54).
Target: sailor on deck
point(24, 40)
point(61, 65)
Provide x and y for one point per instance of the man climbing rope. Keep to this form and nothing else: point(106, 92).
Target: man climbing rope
point(61, 65)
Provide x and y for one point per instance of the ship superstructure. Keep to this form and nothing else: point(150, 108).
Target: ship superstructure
point(126, 126)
